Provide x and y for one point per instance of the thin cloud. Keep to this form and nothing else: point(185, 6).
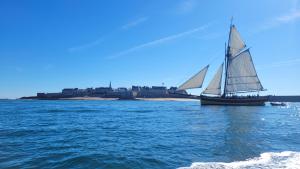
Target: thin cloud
point(290, 17)
point(19, 69)
point(134, 23)
point(186, 6)
point(48, 67)
point(100, 40)
point(291, 62)
point(86, 46)
point(209, 36)
point(280, 20)
point(158, 41)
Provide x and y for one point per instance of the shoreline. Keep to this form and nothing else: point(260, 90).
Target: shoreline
point(137, 99)
point(168, 99)
point(87, 98)
point(292, 98)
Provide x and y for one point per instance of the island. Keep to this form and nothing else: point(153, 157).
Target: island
point(120, 93)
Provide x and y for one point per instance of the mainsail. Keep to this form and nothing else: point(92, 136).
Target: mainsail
point(214, 86)
point(236, 43)
point(241, 74)
point(196, 81)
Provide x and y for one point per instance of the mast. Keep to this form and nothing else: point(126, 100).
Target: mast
point(226, 59)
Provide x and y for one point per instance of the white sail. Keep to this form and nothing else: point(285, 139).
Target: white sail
point(214, 86)
point(241, 74)
point(236, 43)
point(196, 81)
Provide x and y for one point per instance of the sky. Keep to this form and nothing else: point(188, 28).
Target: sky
point(49, 45)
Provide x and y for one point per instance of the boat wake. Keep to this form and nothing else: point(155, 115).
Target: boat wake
point(283, 160)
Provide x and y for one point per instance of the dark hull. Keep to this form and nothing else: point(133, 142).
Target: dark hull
point(234, 101)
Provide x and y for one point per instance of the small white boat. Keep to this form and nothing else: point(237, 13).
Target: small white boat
point(278, 104)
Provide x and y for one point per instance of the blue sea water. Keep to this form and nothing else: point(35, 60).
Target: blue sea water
point(147, 134)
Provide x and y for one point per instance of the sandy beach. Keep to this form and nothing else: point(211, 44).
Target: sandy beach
point(167, 99)
point(88, 98)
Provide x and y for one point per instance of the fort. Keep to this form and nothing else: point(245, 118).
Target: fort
point(119, 93)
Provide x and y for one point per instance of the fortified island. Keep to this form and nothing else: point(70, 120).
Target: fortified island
point(117, 93)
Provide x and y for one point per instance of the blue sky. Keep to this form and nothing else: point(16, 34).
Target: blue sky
point(53, 44)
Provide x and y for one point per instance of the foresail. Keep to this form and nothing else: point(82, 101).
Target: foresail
point(214, 86)
point(236, 43)
point(241, 74)
point(196, 81)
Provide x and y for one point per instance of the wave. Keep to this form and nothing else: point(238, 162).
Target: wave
point(139, 111)
point(269, 160)
point(69, 110)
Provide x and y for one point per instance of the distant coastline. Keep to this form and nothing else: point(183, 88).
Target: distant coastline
point(191, 98)
point(154, 93)
point(187, 98)
point(121, 93)
point(138, 99)
point(295, 98)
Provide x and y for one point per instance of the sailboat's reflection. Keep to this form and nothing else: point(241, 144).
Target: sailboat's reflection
point(241, 135)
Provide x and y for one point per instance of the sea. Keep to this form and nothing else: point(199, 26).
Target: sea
point(147, 134)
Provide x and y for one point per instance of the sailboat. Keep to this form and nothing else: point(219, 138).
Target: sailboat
point(240, 77)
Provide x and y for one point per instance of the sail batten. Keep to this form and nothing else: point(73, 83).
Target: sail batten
point(196, 81)
point(214, 87)
point(241, 74)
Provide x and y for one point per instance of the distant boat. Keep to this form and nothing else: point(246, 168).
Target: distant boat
point(278, 104)
point(240, 77)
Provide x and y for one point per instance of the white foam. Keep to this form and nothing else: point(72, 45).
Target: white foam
point(283, 160)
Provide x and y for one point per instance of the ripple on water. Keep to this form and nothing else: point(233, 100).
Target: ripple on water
point(129, 134)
